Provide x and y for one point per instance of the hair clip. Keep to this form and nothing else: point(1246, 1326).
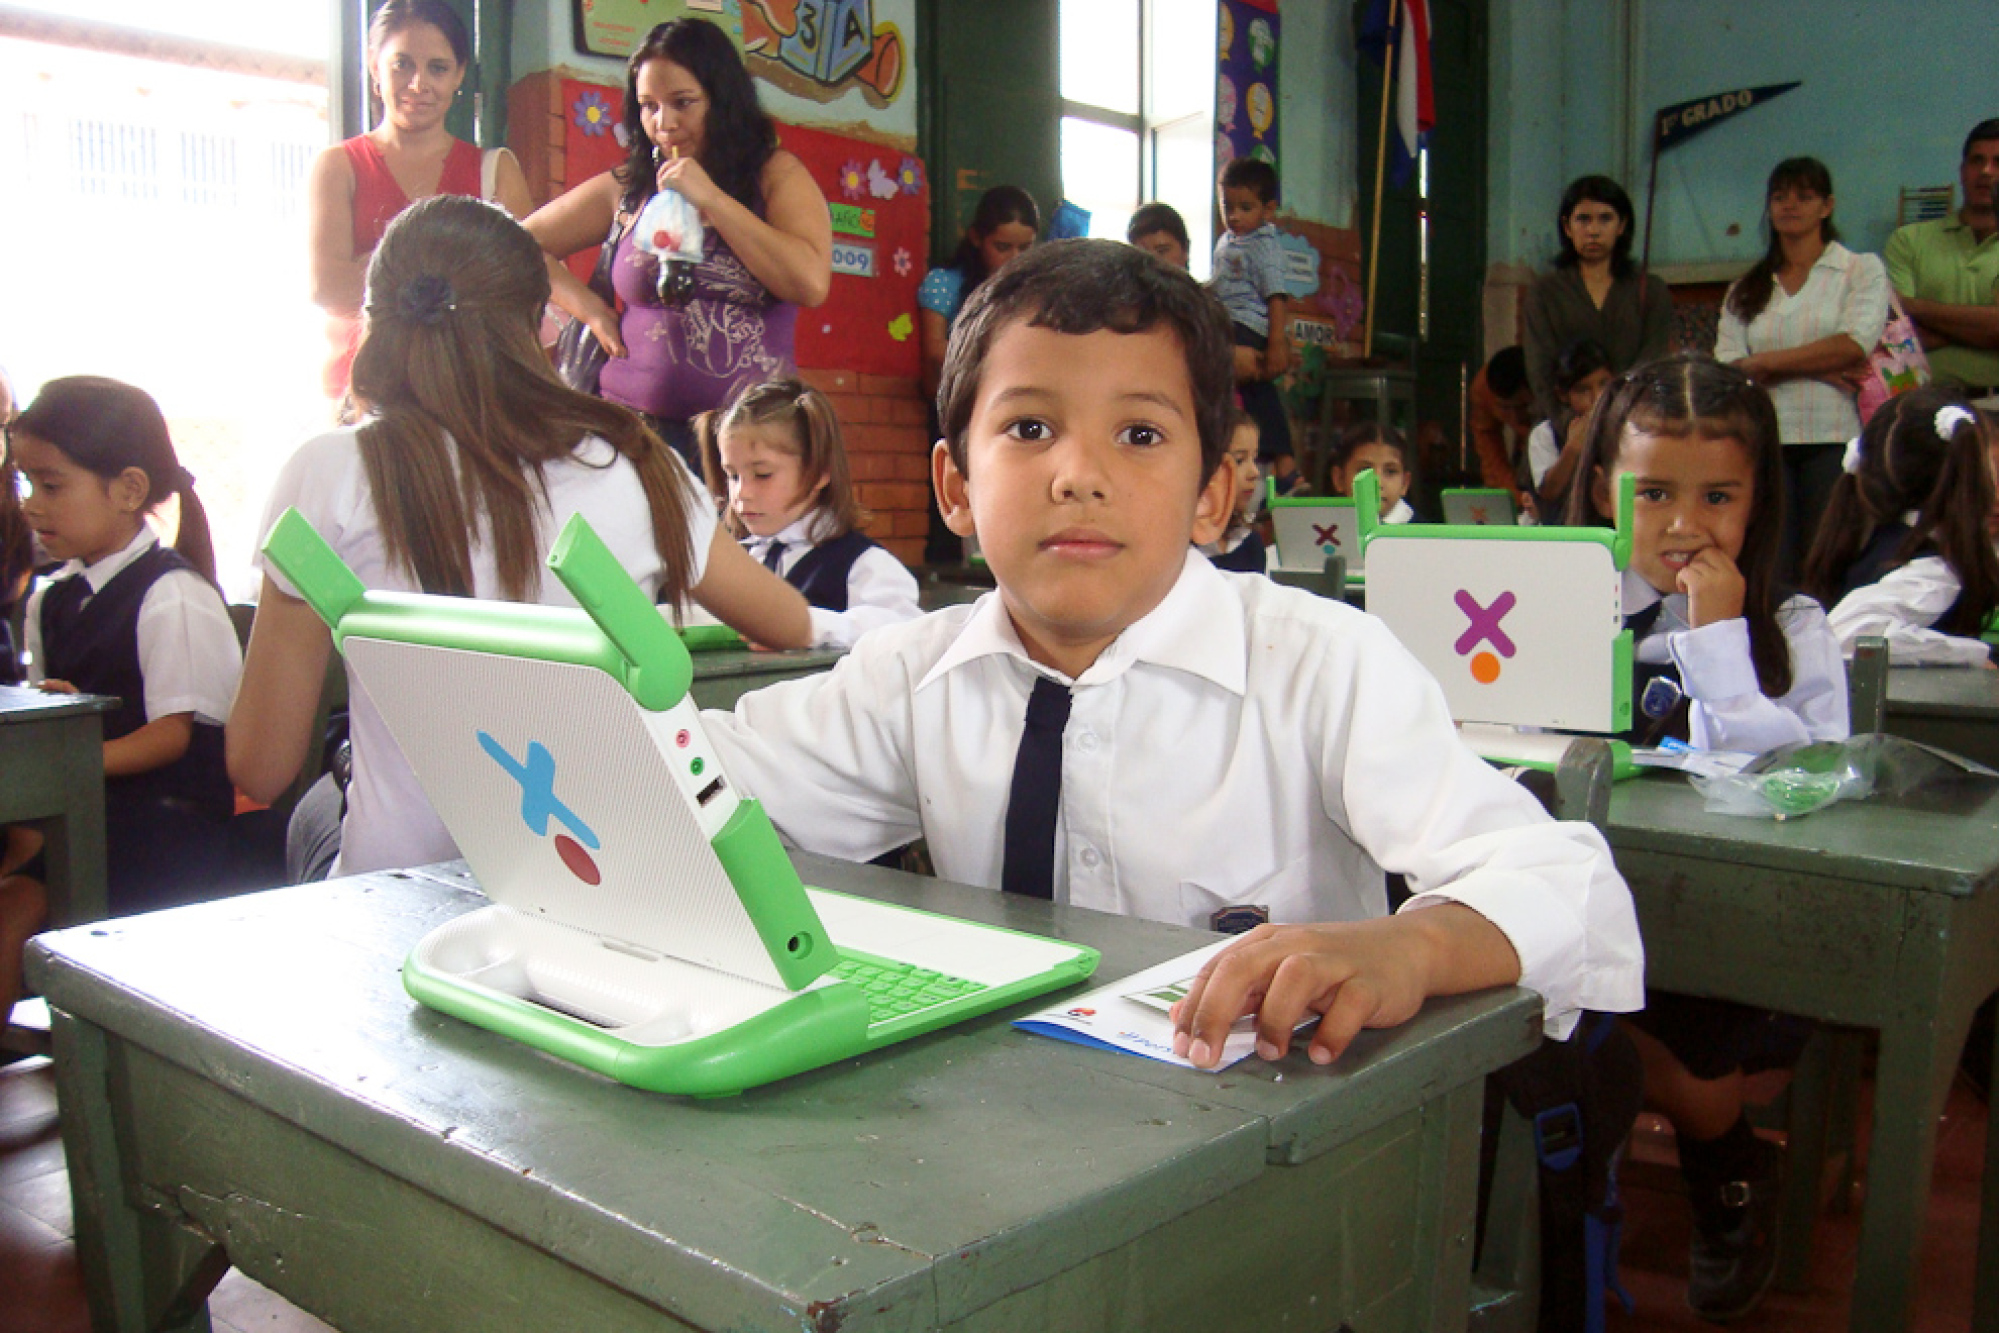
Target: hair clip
point(1849, 462)
point(426, 299)
point(1949, 417)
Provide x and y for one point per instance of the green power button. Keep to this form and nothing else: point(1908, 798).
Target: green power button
point(697, 766)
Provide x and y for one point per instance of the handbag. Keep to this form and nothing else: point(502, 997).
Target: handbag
point(1897, 363)
point(579, 357)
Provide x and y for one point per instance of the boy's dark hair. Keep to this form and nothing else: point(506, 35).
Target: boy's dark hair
point(1363, 433)
point(1157, 217)
point(1984, 129)
point(1576, 362)
point(1905, 464)
point(1595, 190)
point(1506, 373)
point(1695, 395)
point(1078, 287)
point(1251, 173)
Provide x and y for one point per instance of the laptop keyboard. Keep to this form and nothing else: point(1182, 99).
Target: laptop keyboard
point(897, 989)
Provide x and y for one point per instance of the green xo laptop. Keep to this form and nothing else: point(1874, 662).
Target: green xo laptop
point(645, 922)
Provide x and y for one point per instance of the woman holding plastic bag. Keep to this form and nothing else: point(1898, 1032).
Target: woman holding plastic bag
point(712, 238)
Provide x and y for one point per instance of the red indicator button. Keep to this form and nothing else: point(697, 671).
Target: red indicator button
point(683, 738)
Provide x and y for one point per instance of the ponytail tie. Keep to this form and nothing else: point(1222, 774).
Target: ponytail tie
point(426, 299)
point(1849, 462)
point(1949, 417)
point(182, 479)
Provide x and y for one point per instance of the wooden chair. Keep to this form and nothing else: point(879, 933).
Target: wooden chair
point(1506, 1284)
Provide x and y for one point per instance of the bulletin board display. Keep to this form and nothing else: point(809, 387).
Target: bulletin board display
point(614, 28)
point(1246, 82)
point(879, 201)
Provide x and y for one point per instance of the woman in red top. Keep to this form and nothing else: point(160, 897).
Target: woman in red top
point(417, 54)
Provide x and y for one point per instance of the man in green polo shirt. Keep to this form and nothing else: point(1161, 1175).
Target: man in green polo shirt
point(1945, 272)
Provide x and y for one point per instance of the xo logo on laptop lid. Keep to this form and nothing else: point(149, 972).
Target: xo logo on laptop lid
point(539, 803)
point(1484, 628)
point(1327, 536)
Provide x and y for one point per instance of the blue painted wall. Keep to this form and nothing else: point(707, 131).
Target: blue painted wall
point(1890, 87)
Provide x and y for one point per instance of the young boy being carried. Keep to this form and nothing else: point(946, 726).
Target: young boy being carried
point(1123, 728)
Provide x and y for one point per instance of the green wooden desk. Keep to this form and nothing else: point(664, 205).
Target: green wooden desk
point(52, 775)
point(722, 677)
point(1862, 915)
point(245, 1082)
point(1954, 708)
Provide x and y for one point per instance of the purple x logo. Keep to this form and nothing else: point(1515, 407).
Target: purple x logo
point(1326, 536)
point(1485, 623)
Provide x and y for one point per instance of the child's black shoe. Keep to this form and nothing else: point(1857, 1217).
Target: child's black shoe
point(1734, 1252)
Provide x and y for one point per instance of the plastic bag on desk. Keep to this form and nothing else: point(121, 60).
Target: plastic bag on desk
point(1797, 779)
point(670, 230)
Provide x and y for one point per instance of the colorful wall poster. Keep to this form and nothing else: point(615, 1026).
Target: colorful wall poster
point(1246, 82)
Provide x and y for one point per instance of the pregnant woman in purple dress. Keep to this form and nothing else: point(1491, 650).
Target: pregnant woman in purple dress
point(695, 127)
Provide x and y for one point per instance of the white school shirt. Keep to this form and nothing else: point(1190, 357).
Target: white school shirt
point(189, 655)
point(1243, 743)
point(1400, 513)
point(1730, 710)
point(1901, 608)
point(389, 821)
point(880, 588)
point(1844, 293)
point(1543, 452)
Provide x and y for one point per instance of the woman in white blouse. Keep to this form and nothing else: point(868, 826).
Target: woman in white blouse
point(1797, 323)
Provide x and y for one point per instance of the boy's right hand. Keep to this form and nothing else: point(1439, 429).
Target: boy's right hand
point(1354, 975)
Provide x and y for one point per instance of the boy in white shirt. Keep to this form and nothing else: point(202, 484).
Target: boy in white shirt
point(1121, 727)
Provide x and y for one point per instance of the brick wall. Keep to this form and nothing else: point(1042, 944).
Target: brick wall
point(888, 449)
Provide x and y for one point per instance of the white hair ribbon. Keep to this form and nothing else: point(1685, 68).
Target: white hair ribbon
point(1949, 417)
point(1850, 461)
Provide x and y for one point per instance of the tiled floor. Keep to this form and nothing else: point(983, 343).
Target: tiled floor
point(40, 1291)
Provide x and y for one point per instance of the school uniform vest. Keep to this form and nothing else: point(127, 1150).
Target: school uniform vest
point(1877, 558)
point(92, 641)
point(1247, 558)
point(821, 573)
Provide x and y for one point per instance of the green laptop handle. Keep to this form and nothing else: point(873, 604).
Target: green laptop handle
point(1367, 502)
point(661, 671)
point(619, 631)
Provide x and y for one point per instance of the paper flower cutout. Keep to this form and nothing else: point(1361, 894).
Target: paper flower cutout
point(593, 113)
point(901, 327)
point(910, 176)
point(879, 183)
point(903, 263)
point(853, 181)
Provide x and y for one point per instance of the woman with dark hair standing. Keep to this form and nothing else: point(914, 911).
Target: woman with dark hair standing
point(1807, 313)
point(1002, 228)
point(695, 127)
point(1594, 294)
point(418, 51)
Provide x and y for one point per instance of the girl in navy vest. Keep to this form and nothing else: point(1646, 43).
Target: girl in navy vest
point(1903, 549)
point(130, 618)
point(1241, 548)
point(1726, 657)
point(790, 501)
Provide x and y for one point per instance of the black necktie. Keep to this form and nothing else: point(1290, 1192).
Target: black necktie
point(1036, 797)
point(62, 604)
point(1640, 623)
point(774, 557)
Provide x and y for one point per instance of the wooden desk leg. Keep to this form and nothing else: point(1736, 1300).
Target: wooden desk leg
point(1910, 1084)
point(141, 1273)
point(1985, 1294)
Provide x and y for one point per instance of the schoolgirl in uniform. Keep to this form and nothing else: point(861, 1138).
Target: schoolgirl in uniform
point(778, 454)
point(1728, 661)
point(130, 618)
point(1904, 550)
point(1241, 549)
point(1371, 445)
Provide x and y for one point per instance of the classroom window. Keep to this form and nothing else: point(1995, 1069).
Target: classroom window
point(1138, 80)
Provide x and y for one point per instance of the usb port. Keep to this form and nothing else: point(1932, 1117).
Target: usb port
point(710, 792)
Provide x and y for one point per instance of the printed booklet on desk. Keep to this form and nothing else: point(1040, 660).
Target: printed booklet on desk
point(1134, 1015)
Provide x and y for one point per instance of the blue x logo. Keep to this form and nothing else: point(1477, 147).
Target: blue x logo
point(537, 778)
